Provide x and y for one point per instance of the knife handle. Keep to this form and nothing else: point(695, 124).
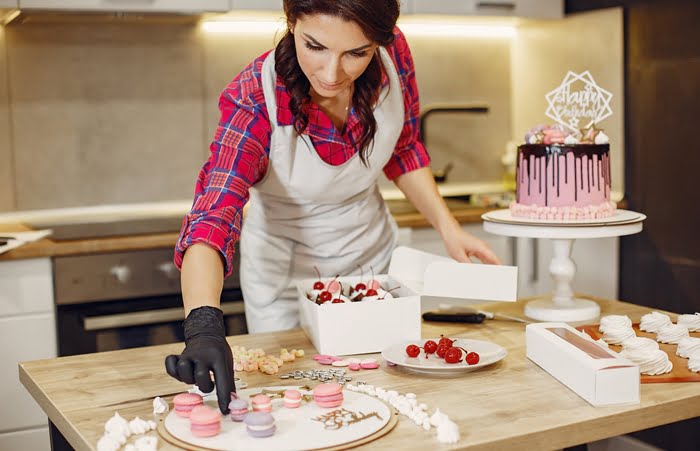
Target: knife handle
point(454, 317)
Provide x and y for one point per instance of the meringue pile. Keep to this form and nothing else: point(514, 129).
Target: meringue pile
point(118, 431)
point(408, 405)
point(645, 352)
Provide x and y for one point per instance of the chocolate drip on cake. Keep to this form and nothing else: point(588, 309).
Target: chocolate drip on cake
point(535, 160)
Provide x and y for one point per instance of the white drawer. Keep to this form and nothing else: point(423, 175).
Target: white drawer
point(32, 439)
point(26, 286)
point(23, 338)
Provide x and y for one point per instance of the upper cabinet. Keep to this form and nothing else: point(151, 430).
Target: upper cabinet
point(543, 9)
point(142, 6)
point(260, 5)
point(8, 3)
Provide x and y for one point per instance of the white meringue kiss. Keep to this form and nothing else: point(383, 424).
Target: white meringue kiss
point(671, 333)
point(614, 322)
point(688, 346)
point(652, 322)
point(692, 322)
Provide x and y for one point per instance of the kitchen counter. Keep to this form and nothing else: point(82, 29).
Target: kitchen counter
point(404, 213)
point(512, 404)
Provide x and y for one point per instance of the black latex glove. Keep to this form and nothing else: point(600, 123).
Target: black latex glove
point(205, 350)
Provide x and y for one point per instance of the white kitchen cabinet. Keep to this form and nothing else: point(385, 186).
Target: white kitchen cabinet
point(596, 260)
point(542, 9)
point(27, 332)
point(142, 6)
point(31, 439)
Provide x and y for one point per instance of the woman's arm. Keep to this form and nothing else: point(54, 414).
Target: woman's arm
point(202, 277)
point(420, 189)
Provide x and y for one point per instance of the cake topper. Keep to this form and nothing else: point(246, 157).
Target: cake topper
point(578, 103)
point(338, 419)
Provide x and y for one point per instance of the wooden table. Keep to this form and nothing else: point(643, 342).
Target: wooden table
point(513, 404)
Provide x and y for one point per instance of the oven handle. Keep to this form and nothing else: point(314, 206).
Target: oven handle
point(147, 317)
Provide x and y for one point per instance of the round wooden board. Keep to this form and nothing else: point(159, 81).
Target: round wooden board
point(163, 432)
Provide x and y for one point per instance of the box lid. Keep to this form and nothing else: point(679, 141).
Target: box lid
point(434, 275)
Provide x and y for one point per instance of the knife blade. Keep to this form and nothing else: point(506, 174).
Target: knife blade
point(447, 309)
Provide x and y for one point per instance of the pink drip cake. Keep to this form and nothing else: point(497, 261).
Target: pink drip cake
point(559, 177)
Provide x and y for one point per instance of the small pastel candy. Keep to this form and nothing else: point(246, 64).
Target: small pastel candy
point(321, 357)
point(368, 361)
point(354, 360)
point(369, 366)
point(340, 363)
point(326, 361)
point(354, 366)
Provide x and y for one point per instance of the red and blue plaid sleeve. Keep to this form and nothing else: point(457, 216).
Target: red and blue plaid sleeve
point(409, 154)
point(239, 159)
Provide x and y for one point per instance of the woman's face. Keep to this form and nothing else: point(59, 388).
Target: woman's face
point(332, 52)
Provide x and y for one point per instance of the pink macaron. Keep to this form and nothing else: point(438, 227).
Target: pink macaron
point(205, 421)
point(261, 403)
point(328, 395)
point(185, 402)
point(292, 399)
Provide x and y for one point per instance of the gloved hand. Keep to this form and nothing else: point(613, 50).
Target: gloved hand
point(205, 350)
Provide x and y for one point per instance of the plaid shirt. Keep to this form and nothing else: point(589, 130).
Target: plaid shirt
point(241, 145)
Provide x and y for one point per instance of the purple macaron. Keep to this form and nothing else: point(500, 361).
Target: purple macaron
point(260, 424)
point(238, 409)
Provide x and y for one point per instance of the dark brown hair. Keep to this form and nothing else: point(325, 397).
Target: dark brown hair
point(377, 19)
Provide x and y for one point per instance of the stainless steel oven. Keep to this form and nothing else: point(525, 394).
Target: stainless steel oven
point(129, 299)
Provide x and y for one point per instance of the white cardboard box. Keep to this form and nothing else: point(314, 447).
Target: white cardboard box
point(371, 326)
point(598, 375)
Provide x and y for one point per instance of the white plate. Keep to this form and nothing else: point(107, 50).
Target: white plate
point(620, 217)
point(489, 353)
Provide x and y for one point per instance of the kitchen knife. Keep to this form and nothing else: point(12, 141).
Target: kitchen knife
point(449, 310)
point(454, 317)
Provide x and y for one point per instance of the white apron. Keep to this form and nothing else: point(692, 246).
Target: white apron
point(307, 213)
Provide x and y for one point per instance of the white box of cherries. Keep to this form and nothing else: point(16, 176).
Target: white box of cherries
point(360, 315)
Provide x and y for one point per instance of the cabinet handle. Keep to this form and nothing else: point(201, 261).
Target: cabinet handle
point(535, 260)
point(503, 6)
point(150, 317)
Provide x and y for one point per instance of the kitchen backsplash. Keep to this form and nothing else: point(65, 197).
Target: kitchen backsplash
point(100, 113)
point(119, 113)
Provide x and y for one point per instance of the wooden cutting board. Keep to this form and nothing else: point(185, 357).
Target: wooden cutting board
point(680, 372)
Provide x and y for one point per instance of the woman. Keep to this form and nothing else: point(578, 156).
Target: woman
point(305, 132)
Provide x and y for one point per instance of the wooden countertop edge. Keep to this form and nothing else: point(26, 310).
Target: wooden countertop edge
point(57, 418)
point(49, 248)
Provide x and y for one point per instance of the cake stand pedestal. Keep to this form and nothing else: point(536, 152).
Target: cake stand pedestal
point(562, 306)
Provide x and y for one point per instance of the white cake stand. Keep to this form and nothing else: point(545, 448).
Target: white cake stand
point(563, 306)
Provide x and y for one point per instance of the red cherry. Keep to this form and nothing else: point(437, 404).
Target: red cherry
point(318, 285)
point(442, 350)
point(472, 358)
point(412, 350)
point(446, 341)
point(453, 355)
point(371, 292)
point(338, 301)
point(325, 296)
point(430, 347)
point(360, 286)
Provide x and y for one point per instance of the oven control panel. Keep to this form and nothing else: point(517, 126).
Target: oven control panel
point(120, 275)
